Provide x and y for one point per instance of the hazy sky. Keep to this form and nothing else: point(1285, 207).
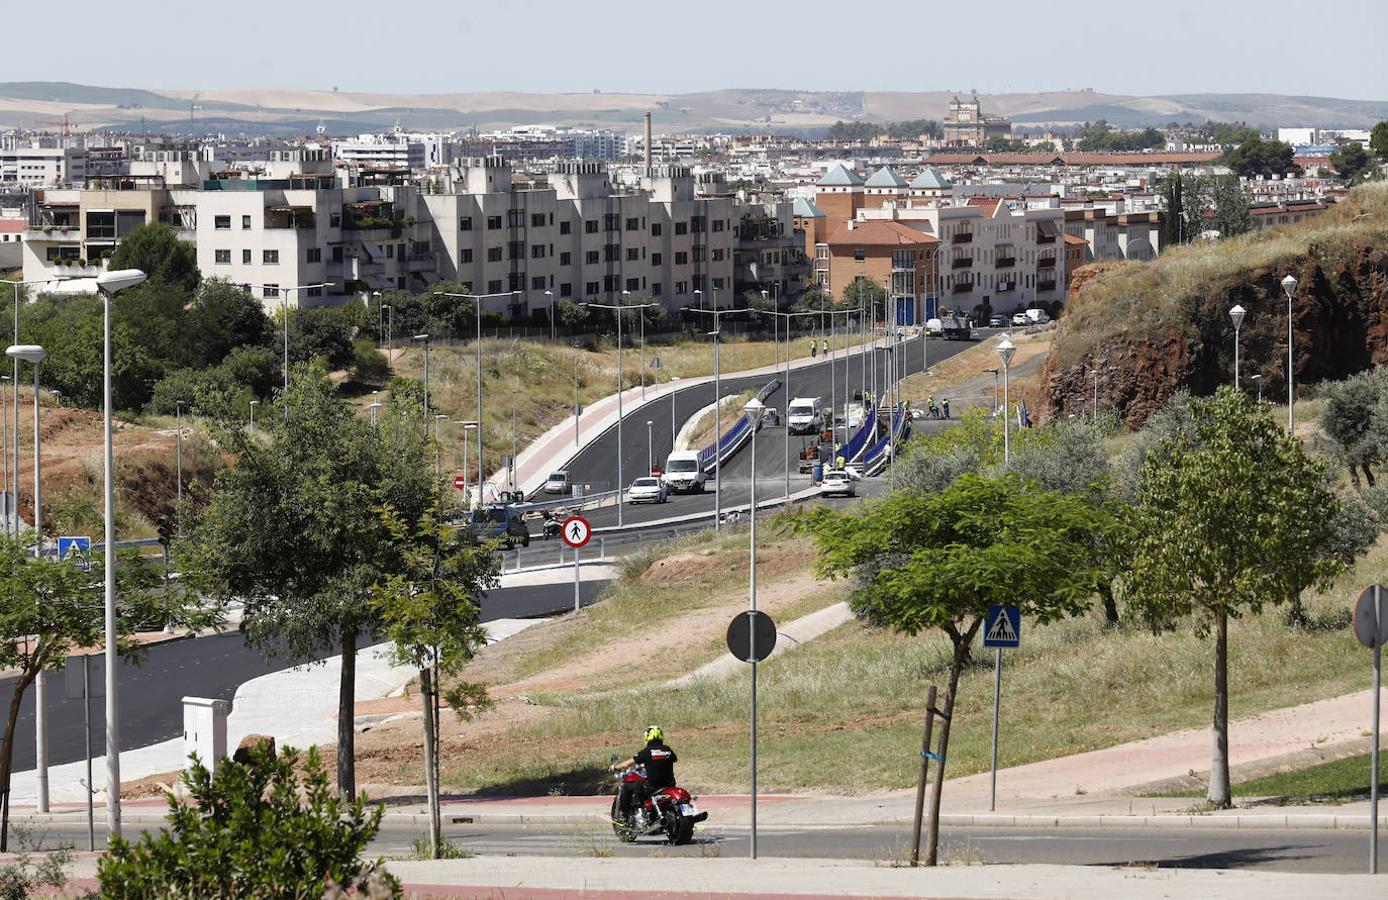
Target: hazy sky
point(1328, 47)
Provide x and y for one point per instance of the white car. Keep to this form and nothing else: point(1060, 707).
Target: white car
point(837, 483)
point(647, 490)
point(557, 483)
point(1020, 319)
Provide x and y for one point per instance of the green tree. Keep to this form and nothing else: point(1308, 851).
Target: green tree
point(1172, 192)
point(1256, 156)
point(288, 529)
point(1354, 420)
point(222, 317)
point(255, 368)
point(320, 333)
point(1353, 163)
point(247, 833)
point(155, 249)
point(570, 314)
point(368, 363)
point(1378, 141)
point(1230, 515)
point(1231, 207)
point(938, 561)
point(429, 606)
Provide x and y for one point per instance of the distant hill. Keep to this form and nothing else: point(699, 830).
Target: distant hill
point(288, 111)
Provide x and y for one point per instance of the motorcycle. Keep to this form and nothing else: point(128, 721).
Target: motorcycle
point(669, 810)
point(551, 527)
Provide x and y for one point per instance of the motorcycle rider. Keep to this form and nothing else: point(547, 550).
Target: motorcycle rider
point(659, 761)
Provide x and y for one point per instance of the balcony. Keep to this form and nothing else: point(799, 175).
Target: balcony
point(1045, 285)
point(289, 217)
point(963, 237)
point(53, 233)
point(1045, 262)
point(1045, 239)
point(961, 263)
point(963, 288)
point(1005, 262)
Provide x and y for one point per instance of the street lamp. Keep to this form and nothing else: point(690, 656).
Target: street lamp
point(1259, 380)
point(17, 286)
point(754, 410)
point(32, 353)
point(1289, 288)
point(512, 466)
point(717, 410)
point(577, 408)
point(996, 387)
point(617, 310)
point(5, 446)
point(1006, 350)
point(650, 449)
point(1098, 364)
point(477, 305)
point(642, 318)
point(425, 339)
point(438, 471)
point(108, 284)
point(467, 502)
point(178, 455)
point(550, 295)
point(1236, 316)
point(254, 404)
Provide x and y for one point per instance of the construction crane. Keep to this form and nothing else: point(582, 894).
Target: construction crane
point(67, 126)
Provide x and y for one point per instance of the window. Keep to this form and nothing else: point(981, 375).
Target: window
point(633, 223)
point(718, 224)
point(465, 255)
point(655, 259)
point(245, 222)
point(697, 224)
point(681, 228)
point(565, 227)
point(335, 220)
point(633, 254)
point(494, 286)
point(270, 257)
point(591, 257)
point(591, 288)
point(515, 218)
point(718, 284)
point(656, 288)
point(699, 254)
point(537, 220)
point(221, 223)
point(337, 254)
point(493, 223)
point(590, 226)
point(270, 290)
point(537, 283)
point(633, 284)
point(566, 289)
point(390, 251)
point(494, 254)
point(537, 251)
point(681, 288)
point(465, 223)
point(516, 281)
point(313, 254)
point(612, 252)
point(681, 258)
point(611, 222)
point(315, 291)
point(655, 229)
point(610, 283)
point(223, 257)
point(860, 255)
point(718, 254)
point(245, 257)
point(566, 258)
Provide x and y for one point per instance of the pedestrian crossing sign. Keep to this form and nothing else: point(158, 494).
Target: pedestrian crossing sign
point(1003, 627)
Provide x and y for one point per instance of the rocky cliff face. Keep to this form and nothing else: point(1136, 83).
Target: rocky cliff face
point(1339, 319)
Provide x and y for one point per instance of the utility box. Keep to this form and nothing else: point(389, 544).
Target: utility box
point(205, 731)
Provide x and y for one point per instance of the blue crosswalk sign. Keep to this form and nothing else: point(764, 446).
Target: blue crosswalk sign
point(78, 549)
point(1003, 627)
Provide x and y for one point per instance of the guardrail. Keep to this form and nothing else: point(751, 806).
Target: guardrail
point(733, 439)
point(858, 443)
point(875, 458)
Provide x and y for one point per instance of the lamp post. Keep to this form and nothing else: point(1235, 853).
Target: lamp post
point(254, 404)
point(997, 397)
point(178, 456)
point(424, 338)
point(717, 410)
point(512, 466)
point(650, 449)
point(577, 407)
point(552, 334)
point(1006, 350)
point(1258, 379)
point(34, 354)
point(438, 470)
point(1289, 288)
point(467, 427)
point(754, 410)
point(617, 309)
point(477, 300)
point(109, 283)
point(17, 286)
point(642, 318)
point(5, 445)
point(284, 305)
point(1236, 316)
point(1098, 364)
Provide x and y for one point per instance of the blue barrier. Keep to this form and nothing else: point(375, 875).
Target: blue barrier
point(733, 439)
point(875, 459)
point(858, 443)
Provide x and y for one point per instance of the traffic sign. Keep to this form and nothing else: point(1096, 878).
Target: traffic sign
point(460, 482)
point(78, 548)
point(1003, 627)
point(1371, 630)
point(740, 635)
point(576, 532)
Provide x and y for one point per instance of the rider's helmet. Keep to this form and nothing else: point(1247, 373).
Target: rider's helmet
point(653, 733)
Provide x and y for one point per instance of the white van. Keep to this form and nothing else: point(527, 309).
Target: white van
point(1037, 317)
point(806, 415)
point(682, 472)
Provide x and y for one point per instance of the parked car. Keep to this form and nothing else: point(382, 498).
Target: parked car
point(1020, 320)
point(503, 523)
point(837, 483)
point(997, 322)
point(557, 483)
point(647, 489)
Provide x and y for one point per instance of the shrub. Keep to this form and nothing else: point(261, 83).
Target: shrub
point(368, 363)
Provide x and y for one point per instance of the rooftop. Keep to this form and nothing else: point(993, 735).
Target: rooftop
point(886, 177)
point(840, 176)
point(879, 234)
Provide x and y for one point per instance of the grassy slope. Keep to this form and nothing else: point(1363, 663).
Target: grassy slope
point(542, 374)
point(1142, 299)
point(1340, 780)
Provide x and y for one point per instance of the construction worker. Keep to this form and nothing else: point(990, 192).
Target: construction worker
point(825, 346)
point(814, 348)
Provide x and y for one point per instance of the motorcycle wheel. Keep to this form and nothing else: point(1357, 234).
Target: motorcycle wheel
point(624, 833)
point(681, 830)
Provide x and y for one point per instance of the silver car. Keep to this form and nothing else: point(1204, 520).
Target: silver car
point(646, 490)
point(837, 483)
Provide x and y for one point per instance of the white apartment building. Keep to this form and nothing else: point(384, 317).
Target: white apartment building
point(26, 164)
point(396, 150)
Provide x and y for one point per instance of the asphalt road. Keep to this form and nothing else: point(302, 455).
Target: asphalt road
point(151, 695)
point(596, 464)
point(1308, 851)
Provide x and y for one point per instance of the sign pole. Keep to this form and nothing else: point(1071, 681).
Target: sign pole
point(997, 695)
point(87, 734)
point(576, 603)
point(1373, 762)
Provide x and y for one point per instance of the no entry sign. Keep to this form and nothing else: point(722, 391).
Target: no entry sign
point(460, 482)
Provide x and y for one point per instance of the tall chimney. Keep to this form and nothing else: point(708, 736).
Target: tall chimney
point(646, 145)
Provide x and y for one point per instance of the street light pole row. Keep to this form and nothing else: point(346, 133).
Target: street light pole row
point(618, 309)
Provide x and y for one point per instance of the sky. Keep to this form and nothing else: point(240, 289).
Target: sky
point(1328, 48)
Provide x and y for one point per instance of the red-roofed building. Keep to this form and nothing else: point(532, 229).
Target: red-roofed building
point(12, 230)
point(887, 253)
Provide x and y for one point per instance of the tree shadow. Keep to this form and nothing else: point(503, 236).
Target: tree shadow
point(1236, 858)
point(581, 781)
